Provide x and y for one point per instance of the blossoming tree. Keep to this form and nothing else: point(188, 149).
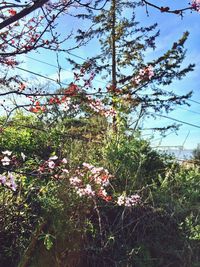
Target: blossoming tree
point(27, 26)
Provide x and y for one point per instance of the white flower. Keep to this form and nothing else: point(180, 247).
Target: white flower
point(5, 161)
point(53, 158)
point(121, 200)
point(7, 152)
point(95, 170)
point(134, 199)
point(88, 190)
point(51, 164)
point(23, 156)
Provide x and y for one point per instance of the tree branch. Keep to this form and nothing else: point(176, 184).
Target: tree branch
point(22, 13)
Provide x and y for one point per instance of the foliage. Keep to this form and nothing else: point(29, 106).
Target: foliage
point(196, 153)
point(84, 231)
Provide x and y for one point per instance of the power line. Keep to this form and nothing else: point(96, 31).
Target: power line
point(40, 75)
point(52, 65)
point(48, 78)
point(177, 120)
point(160, 138)
point(167, 117)
point(44, 62)
point(191, 100)
point(192, 111)
point(74, 55)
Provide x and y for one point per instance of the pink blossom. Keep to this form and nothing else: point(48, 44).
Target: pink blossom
point(98, 178)
point(13, 185)
point(75, 181)
point(129, 201)
point(97, 106)
point(145, 73)
point(87, 165)
point(95, 170)
point(64, 161)
point(196, 5)
point(9, 181)
point(51, 164)
point(65, 171)
point(141, 72)
point(88, 190)
point(65, 104)
point(150, 71)
point(3, 179)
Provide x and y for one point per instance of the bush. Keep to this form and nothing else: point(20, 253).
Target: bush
point(46, 215)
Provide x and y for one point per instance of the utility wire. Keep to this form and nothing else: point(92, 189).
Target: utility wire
point(74, 55)
point(161, 138)
point(40, 75)
point(192, 111)
point(174, 119)
point(52, 65)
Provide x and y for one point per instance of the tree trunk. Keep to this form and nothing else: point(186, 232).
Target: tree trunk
point(25, 261)
point(113, 48)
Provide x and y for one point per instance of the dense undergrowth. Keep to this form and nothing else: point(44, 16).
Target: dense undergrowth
point(44, 222)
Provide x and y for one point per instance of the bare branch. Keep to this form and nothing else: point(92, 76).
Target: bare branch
point(37, 4)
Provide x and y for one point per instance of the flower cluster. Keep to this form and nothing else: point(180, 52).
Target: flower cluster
point(5, 161)
point(88, 181)
point(55, 166)
point(12, 12)
point(63, 100)
point(8, 160)
point(10, 62)
point(97, 106)
point(37, 107)
point(91, 181)
point(8, 181)
point(196, 5)
point(144, 74)
point(129, 201)
point(65, 106)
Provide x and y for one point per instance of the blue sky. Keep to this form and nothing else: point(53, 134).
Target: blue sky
point(171, 28)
